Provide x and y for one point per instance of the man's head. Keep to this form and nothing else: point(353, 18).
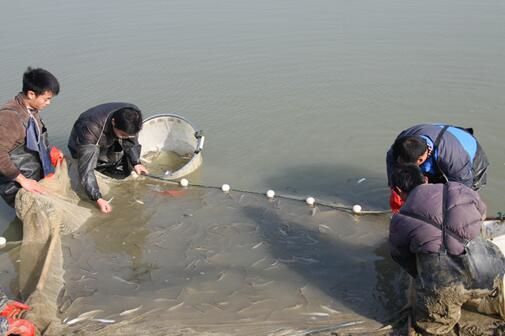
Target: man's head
point(410, 149)
point(126, 122)
point(406, 177)
point(39, 87)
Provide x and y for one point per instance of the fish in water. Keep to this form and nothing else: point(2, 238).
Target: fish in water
point(130, 311)
point(84, 316)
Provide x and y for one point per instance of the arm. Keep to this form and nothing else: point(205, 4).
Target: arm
point(399, 244)
point(389, 165)
point(456, 165)
point(132, 150)
point(12, 134)
point(86, 164)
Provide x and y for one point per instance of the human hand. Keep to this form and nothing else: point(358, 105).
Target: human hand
point(103, 205)
point(30, 185)
point(140, 169)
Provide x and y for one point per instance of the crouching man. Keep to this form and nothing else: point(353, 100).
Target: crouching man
point(436, 238)
point(105, 138)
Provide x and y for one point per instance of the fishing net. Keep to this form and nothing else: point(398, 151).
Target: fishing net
point(45, 218)
point(191, 261)
point(171, 260)
point(171, 146)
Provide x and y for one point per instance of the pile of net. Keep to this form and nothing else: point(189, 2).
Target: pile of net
point(45, 218)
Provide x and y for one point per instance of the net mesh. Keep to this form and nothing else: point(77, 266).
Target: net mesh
point(45, 217)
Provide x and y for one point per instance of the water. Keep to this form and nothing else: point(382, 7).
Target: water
point(296, 96)
point(157, 162)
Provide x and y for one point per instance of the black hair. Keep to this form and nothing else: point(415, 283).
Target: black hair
point(408, 149)
point(40, 81)
point(406, 177)
point(128, 120)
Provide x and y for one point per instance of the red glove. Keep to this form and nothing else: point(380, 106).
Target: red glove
point(20, 327)
point(395, 201)
point(13, 309)
point(56, 156)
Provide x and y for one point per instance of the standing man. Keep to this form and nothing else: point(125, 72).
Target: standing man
point(105, 138)
point(24, 149)
point(436, 238)
point(443, 152)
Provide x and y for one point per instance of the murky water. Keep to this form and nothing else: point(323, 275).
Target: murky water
point(303, 98)
point(163, 163)
point(208, 258)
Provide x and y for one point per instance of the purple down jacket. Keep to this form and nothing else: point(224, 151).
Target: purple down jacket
point(413, 230)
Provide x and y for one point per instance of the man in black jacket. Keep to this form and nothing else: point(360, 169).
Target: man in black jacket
point(105, 138)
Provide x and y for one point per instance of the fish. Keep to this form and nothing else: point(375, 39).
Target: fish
point(104, 320)
point(176, 306)
point(130, 311)
point(330, 310)
point(318, 314)
point(126, 281)
point(84, 316)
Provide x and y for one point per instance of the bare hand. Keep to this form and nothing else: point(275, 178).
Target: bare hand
point(103, 205)
point(30, 185)
point(140, 169)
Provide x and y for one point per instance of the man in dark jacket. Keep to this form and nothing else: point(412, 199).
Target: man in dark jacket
point(105, 138)
point(444, 153)
point(24, 149)
point(436, 238)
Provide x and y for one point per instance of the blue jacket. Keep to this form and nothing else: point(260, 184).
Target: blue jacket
point(458, 155)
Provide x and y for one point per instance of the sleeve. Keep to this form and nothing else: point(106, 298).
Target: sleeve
point(132, 150)
point(10, 131)
point(400, 248)
point(389, 165)
point(87, 133)
point(87, 158)
point(457, 167)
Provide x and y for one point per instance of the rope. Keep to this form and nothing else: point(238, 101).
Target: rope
point(343, 208)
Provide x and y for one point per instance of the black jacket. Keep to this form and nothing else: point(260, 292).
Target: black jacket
point(93, 142)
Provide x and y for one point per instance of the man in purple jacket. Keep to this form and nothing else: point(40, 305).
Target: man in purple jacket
point(436, 238)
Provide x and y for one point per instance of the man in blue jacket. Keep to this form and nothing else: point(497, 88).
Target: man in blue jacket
point(443, 152)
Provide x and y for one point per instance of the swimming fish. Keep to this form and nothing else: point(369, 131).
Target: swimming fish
point(126, 312)
point(84, 316)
